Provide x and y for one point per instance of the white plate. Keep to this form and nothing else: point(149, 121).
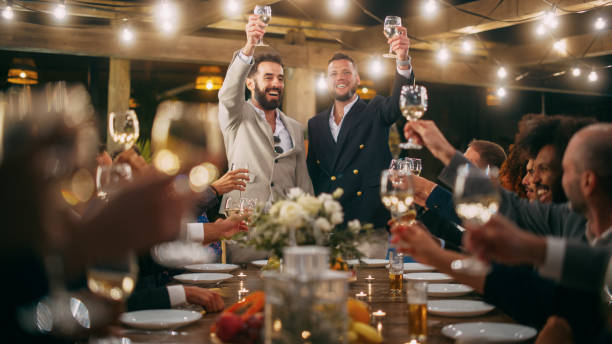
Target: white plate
point(176, 254)
point(202, 278)
point(260, 263)
point(417, 267)
point(428, 277)
point(159, 319)
point(489, 332)
point(375, 263)
point(458, 308)
point(211, 267)
point(448, 290)
point(352, 261)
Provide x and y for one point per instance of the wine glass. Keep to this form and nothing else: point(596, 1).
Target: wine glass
point(238, 166)
point(247, 207)
point(413, 103)
point(416, 166)
point(397, 194)
point(395, 164)
point(476, 200)
point(108, 178)
point(265, 14)
point(390, 30)
point(125, 133)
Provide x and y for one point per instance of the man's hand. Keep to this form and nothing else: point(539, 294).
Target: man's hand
point(502, 241)
point(422, 189)
point(232, 180)
point(415, 240)
point(209, 299)
point(224, 228)
point(136, 162)
point(425, 132)
point(400, 44)
point(255, 30)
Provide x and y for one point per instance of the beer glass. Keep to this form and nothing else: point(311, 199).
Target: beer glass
point(416, 297)
point(396, 272)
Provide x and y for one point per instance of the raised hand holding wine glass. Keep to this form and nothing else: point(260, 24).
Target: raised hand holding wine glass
point(413, 104)
point(390, 29)
point(264, 14)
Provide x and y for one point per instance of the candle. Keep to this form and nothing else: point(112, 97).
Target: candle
point(241, 294)
point(360, 295)
point(369, 279)
point(379, 313)
point(241, 274)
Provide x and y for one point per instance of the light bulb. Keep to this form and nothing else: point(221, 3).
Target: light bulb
point(232, 6)
point(209, 85)
point(167, 26)
point(443, 54)
point(60, 11)
point(321, 83)
point(600, 23)
point(550, 20)
point(430, 7)
point(467, 46)
point(8, 13)
point(376, 67)
point(166, 14)
point(576, 71)
point(501, 72)
point(560, 46)
point(127, 35)
point(593, 76)
point(337, 6)
point(364, 90)
point(540, 30)
point(501, 92)
point(22, 75)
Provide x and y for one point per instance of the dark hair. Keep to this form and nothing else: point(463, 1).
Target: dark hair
point(341, 56)
point(264, 58)
point(490, 152)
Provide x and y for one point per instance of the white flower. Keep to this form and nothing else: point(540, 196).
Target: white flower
point(310, 204)
point(291, 215)
point(276, 207)
point(354, 225)
point(322, 224)
point(337, 218)
point(332, 206)
point(294, 193)
point(325, 197)
point(338, 193)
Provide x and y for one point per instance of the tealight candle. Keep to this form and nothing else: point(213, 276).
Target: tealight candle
point(369, 279)
point(241, 294)
point(379, 313)
point(241, 274)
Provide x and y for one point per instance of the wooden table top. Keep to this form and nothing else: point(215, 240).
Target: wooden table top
point(395, 323)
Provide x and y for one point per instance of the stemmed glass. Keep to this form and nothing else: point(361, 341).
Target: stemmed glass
point(109, 177)
point(247, 207)
point(125, 133)
point(265, 14)
point(416, 166)
point(390, 30)
point(413, 103)
point(476, 200)
point(397, 194)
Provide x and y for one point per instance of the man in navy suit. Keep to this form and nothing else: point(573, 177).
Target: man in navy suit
point(348, 143)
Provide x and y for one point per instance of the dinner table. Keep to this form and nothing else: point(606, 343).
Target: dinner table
point(373, 282)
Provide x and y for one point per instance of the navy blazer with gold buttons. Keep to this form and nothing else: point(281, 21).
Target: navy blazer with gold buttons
point(354, 163)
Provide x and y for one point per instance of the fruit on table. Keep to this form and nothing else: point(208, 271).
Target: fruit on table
point(241, 322)
point(228, 326)
point(366, 332)
point(357, 310)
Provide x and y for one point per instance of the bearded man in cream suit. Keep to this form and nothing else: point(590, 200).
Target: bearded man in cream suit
point(256, 132)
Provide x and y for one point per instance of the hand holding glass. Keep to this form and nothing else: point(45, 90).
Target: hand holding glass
point(413, 104)
point(265, 14)
point(390, 30)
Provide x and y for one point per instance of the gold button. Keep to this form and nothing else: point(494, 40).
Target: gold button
point(333, 178)
point(355, 171)
point(318, 162)
point(359, 193)
point(361, 146)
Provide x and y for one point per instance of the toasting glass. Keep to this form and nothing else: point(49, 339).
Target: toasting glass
point(265, 14)
point(413, 103)
point(390, 30)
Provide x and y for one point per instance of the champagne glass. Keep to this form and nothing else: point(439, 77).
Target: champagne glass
point(476, 200)
point(390, 30)
point(247, 207)
point(413, 103)
point(396, 164)
point(397, 194)
point(416, 166)
point(240, 165)
point(232, 207)
point(124, 133)
point(265, 14)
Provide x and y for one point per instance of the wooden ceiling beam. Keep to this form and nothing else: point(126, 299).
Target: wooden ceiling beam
point(449, 23)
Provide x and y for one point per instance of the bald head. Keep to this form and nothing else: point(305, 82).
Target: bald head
point(590, 149)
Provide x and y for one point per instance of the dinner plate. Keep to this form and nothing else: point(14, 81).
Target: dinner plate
point(375, 263)
point(448, 289)
point(352, 261)
point(260, 263)
point(159, 319)
point(417, 267)
point(458, 308)
point(211, 267)
point(177, 254)
point(202, 278)
point(489, 332)
point(428, 277)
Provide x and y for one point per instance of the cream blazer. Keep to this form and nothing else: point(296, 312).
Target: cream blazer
point(249, 138)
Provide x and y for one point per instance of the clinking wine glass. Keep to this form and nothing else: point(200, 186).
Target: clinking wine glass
point(124, 132)
point(416, 166)
point(240, 165)
point(413, 104)
point(397, 194)
point(476, 200)
point(265, 14)
point(391, 30)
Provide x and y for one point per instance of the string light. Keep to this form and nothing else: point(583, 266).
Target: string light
point(443, 55)
point(430, 7)
point(321, 83)
point(8, 13)
point(166, 14)
point(127, 35)
point(232, 7)
point(541, 30)
point(593, 76)
point(560, 46)
point(376, 67)
point(60, 10)
point(550, 19)
point(466, 45)
point(338, 7)
point(576, 71)
point(501, 92)
point(502, 73)
point(600, 23)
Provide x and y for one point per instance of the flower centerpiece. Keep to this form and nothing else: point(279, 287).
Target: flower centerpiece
point(303, 219)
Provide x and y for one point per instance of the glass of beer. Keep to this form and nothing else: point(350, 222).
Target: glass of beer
point(396, 273)
point(416, 297)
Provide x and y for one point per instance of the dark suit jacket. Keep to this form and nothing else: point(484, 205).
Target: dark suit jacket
point(355, 161)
